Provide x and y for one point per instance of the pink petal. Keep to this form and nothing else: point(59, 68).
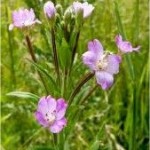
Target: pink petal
point(90, 59)
point(77, 7)
point(136, 48)
point(39, 117)
point(125, 47)
point(61, 108)
point(87, 9)
point(51, 102)
point(32, 15)
point(96, 47)
point(113, 64)
point(104, 79)
point(46, 104)
point(58, 125)
point(23, 17)
point(118, 39)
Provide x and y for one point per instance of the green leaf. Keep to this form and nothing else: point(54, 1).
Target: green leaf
point(64, 54)
point(119, 22)
point(26, 95)
point(44, 71)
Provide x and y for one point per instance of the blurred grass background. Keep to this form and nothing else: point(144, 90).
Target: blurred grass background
point(105, 121)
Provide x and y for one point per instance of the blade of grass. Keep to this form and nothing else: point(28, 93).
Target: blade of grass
point(13, 76)
point(135, 29)
point(132, 142)
point(26, 95)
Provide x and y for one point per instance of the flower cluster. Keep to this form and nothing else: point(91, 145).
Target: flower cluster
point(25, 18)
point(51, 112)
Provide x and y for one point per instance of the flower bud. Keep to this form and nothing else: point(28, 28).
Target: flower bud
point(68, 14)
point(59, 9)
point(49, 9)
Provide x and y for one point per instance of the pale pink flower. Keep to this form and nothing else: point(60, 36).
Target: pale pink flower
point(51, 113)
point(23, 18)
point(85, 7)
point(125, 46)
point(104, 64)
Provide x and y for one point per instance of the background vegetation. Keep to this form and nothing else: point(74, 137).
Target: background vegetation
point(116, 119)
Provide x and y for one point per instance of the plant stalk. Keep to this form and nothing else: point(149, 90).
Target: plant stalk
point(133, 143)
point(86, 78)
point(75, 48)
point(13, 76)
point(55, 53)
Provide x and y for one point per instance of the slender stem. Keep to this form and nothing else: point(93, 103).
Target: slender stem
point(64, 83)
point(55, 53)
point(35, 60)
point(55, 139)
point(30, 49)
point(13, 77)
point(89, 94)
point(86, 78)
point(133, 147)
point(75, 47)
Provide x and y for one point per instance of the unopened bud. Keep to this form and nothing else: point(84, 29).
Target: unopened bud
point(49, 9)
point(59, 9)
point(68, 14)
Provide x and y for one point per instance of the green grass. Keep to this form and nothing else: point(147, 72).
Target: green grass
point(116, 119)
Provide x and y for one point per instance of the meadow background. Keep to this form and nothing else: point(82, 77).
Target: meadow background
point(116, 119)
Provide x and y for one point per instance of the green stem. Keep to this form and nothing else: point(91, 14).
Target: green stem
point(34, 59)
point(13, 77)
point(135, 38)
point(86, 78)
point(133, 141)
point(55, 53)
point(75, 48)
point(132, 144)
point(55, 139)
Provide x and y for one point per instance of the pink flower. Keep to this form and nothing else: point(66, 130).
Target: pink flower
point(104, 65)
point(50, 113)
point(49, 9)
point(23, 18)
point(125, 46)
point(85, 7)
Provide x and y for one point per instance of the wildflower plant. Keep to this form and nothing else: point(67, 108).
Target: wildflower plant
point(64, 95)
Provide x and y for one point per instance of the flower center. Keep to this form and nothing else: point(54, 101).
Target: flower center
point(103, 62)
point(50, 117)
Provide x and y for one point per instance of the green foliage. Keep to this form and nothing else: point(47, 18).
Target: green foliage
point(113, 120)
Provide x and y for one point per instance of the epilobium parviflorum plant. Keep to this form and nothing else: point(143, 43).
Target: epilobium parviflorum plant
point(72, 72)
